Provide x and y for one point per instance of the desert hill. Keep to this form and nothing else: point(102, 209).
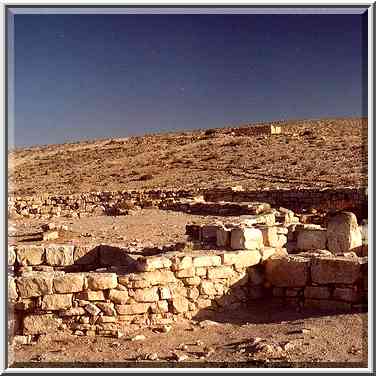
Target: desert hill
point(308, 153)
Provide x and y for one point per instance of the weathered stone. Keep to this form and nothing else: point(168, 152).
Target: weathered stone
point(269, 235)
point(193, 293)
point(246, 238)
point(241, 258)
point(132, 309)
point(287, 271)
point(179, 263)
point(40, 324)
point(22, 340)
point(343, 233)
point(12, 290)
point(72, 282)
point(223, 237)
point(56, 302)
point(146, 264)
point(76, 311)
point(102, 281)
point(346, 294)
point(201, 261)
point(36, 284)
point(268, 252)
point(59, 255)
point(220, 272)
point(327, 305)
point(209, 234)
point(30, 255)
point(146, 295)
point(201, 271)
point(165, 293)
point(204, 303)
point(92, 309)
point(25, 304)
point(180, 304)
point(107, 308)
point(311, 239)
point(106, 319)
point(207, 288)
point(86, 254)
point(162, 306)
point(50, 235)
point(192, 281)
point(91, 295)
point(11, 255)
point(326, 270)
point(185, 273)
point(119, 297)
point(317, 292)
point(177, 291)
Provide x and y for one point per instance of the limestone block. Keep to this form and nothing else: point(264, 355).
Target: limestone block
point(194, 231)
point(192, 281)
point(102, 281)
point(343, 233)
point(75, 311)
point(56, 302)
point(269, 235)
point(223, 237)
point(25, 304)
point(201, 271)
point(107, 308)
point(246, 238)
point(132, 309)
point(326, 270)
point(11, 255)
point(12, 290)
point(40, 324)
point(162, 306)
point(30, 255)
point(221, 272)
point(50, 235)
point(72, 282)
point(185, 273)
point(282, 241)
point(151, 263)
point(91, 295)
point(180, 304)
point(106, 319)
point(209, 234)
point(241, 258)
point(180, 263)
point(346, 294)
point(204, 303)
point(239, 279)
point(36, 284)
point(291, 271)
point(209, 260)
point(311, 239)
point(268, 252)
point(193, 293)
point(119, 297)
point(59, 255)
point(92, 309)
point(317, 292)
point(165, 293)
point(207, 288)
point(145, 295)
point(86, 254)
point(178, 291)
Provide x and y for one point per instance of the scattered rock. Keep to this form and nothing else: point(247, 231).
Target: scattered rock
point(139, 337)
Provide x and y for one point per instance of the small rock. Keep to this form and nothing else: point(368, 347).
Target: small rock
point(22, 340)
point(199, 343)
point(182, 346)
point(180, 358)
point(166, 328)
point(79, 333)
point(206, 323)
point(152, 356)
point(139, 337)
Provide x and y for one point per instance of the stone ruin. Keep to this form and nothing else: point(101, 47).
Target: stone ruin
point(267, 253)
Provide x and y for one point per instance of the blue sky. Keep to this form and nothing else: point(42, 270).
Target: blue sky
point(93, 76)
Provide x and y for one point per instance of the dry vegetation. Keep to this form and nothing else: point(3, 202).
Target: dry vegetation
point(309, 153)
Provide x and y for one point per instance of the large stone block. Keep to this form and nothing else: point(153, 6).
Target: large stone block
point(72, 282)
point(210, 260)
point(326, 270)
point(327, 305)
point(59, 255)
point(102, 281)
point(12, 290)
point(35, 284)
point(311, 239)
point(132, 309)
point(180, 304)
point(246, 238)
point(41, 324)
point(147, 264)
point(86, 254)
point(186, 273)
point(91, 295)
point(343, 233)
point(207, 288)
point(317, 292)
point(269, 235)
point(220, 272)
point(56, 302)
point(287, 271)
point(30, 255)
point(119, 297)
point(107, 308)
point(209, 234)
point(346, 294)
point(180, 263)
point(145, 295)
point(241, 258)
point(223, 237)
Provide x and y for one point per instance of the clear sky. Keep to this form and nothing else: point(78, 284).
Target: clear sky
point(99, 76)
